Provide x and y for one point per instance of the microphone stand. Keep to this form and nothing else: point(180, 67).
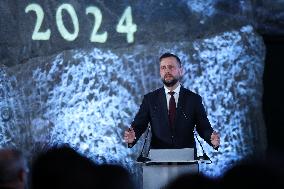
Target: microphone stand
point(204, 156)
point(141, 158)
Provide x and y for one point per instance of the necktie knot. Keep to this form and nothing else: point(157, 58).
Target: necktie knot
point(171, 93)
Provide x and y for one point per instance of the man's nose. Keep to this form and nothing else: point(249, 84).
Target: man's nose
point(168, 70)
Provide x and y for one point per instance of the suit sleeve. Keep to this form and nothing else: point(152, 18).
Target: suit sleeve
point(141, 120)
point(203, 125)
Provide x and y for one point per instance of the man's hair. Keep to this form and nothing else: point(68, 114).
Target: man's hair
point(12, 162)
point(62, 167)
point(166, 55)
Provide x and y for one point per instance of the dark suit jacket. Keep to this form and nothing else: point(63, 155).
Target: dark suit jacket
point(190, 112)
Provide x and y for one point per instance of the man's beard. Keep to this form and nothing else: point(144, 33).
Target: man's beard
point(170, 83)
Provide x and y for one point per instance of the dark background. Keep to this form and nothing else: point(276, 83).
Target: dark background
point(273, 92)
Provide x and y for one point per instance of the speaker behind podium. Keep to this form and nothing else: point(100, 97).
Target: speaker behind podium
point(167, 164)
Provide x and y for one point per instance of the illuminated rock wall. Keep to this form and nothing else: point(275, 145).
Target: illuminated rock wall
point(87, 98)
point(88, 95)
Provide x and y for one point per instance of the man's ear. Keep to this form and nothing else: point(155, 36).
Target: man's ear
point(22, 175)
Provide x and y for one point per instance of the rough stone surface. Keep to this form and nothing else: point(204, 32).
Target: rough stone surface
point(88, 97)
point(86, 94)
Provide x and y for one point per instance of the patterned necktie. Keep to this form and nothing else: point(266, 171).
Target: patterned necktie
point(172, 108)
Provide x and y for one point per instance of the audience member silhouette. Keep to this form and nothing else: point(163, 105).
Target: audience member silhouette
point(191, 180)
point(253, 174)
point(13, 169)
point(64, 168)
point(115, 176)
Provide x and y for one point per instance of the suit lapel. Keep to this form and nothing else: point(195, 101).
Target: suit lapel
point(164, 108)
point(181, 97)
point(181, 102)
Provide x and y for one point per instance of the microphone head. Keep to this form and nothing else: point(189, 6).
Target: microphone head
point(142, 159)
point(204, 157)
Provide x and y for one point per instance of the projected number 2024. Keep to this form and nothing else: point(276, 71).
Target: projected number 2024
point(125, 23)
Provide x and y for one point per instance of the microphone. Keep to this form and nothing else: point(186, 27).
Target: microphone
point(141, 158)
point(204, 156)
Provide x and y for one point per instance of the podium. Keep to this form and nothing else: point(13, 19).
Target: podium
point(167, 164)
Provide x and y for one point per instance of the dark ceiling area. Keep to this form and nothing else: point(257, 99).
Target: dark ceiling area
point(274, 92)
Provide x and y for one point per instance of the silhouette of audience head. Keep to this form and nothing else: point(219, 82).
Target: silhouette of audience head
point(13, 169)
point(191, 180)
point(63, 167)
point(115, 176)
point(253, 174)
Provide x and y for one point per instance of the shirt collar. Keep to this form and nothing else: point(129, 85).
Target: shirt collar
point(176, 90)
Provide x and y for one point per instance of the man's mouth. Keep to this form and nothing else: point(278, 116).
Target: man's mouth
point(168, 76)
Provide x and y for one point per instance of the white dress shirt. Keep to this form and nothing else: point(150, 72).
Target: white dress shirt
point(176, 95)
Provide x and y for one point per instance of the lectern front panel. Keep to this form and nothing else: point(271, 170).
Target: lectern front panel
point(156, 176)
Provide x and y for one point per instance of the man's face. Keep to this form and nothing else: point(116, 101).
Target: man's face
point(170, 71)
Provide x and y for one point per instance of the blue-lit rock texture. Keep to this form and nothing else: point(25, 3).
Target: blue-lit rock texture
point(88, 97)
point(86, 94)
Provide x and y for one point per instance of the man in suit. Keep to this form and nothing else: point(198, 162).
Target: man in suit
point(173, 112)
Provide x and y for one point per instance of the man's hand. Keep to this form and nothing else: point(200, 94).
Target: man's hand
point(215, 139)
point(129, 136)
